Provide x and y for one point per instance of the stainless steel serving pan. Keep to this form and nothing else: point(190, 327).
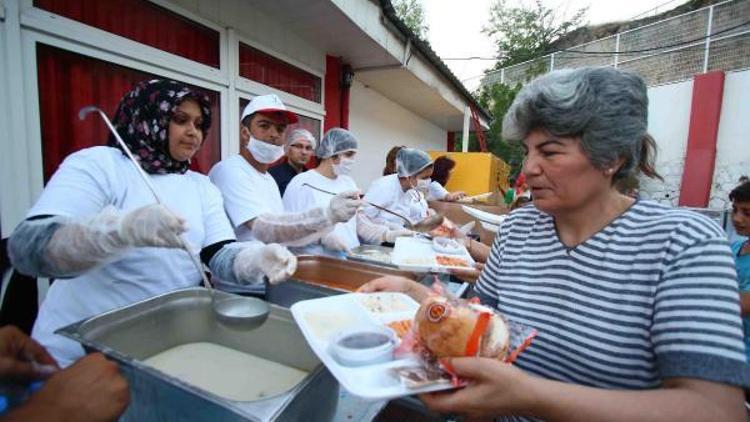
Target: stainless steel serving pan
point(133, 333)
point(320, 276)
point(372, 254)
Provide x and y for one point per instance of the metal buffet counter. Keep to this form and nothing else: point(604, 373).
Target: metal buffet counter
point(131, 334)
point(137, 332)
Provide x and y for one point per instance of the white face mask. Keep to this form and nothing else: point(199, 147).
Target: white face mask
point(344, 167)
point(424, 184)
point(264, 152)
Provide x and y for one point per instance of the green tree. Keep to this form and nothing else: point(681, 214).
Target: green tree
point(520, 34)
point(497, 99)
point(411, 12)
point(526, 32)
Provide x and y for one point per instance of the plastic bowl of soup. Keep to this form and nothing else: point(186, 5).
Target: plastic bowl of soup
point(364, 346)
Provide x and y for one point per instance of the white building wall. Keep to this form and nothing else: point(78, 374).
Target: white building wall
point(668, 123)
point(733, 144)
point(381, 124)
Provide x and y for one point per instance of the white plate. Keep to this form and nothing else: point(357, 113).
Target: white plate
point(370, 382)
point(484, 216)
point(418, 255)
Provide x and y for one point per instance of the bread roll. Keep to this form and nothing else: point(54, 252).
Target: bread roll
point(455, 328)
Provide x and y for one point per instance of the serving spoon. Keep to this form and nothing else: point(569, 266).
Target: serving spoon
point(426, 225)
point(234, 311)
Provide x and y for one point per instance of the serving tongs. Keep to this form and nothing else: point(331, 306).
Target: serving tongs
point(234, 311)
point(427, 225)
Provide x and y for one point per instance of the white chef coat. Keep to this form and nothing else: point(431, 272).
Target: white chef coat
point(247, 193)
point(436, 192)
point(298, 198)
point(88, 181)
point(386, 191)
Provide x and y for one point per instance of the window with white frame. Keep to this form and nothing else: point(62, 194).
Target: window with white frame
point(68, 81)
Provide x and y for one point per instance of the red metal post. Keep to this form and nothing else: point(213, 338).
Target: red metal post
point(332, 91)
point(705, 114)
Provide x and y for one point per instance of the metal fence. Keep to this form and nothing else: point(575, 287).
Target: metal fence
point(716, 37)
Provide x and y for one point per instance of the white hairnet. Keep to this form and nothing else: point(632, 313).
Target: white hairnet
point(410, 161)
point(335, 141)
point(300, 133)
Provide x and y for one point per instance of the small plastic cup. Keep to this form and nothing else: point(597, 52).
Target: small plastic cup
point(364, 346)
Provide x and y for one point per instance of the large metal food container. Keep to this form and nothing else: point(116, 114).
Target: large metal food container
point(320, 276)
point(133, 333)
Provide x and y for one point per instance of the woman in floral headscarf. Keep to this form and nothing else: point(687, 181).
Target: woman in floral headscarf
point(97, 225)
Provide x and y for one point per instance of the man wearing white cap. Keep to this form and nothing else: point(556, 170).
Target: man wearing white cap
point(299, 147)
point(251, 197)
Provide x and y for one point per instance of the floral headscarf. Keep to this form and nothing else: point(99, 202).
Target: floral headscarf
point(142, 120)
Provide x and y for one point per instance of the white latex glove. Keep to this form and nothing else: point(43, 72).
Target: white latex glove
point(334, 242)
point(78, 245)
point(152, 225)
point(273, 260)
point(391, 235)
point(343, 206)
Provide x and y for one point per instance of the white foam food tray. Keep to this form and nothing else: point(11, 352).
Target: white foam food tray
point(416, 254)
point(484, 216)
point(490, 227)
point(320, 320)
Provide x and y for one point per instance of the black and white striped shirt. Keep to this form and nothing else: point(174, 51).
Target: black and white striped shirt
point(653, 295)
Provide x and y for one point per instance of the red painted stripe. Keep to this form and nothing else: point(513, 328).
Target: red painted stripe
point(705, 114)
point(332, 93)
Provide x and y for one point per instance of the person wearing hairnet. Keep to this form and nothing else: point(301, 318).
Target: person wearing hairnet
point(403, 192)
point(251, 197)
point(97, 229)
point(337, 152)
point(298, 149)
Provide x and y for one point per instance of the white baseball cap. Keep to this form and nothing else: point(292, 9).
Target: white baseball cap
point(270, 104)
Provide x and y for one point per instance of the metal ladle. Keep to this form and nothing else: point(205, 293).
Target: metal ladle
point(237, 312)
point(428, 224)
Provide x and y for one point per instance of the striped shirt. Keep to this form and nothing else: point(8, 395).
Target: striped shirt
point(653, 295)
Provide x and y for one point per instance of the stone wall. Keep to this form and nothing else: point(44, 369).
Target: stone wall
point(726, 178)
point(668, 191)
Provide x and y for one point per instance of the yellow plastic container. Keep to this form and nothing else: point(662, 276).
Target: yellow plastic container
point(475, 172)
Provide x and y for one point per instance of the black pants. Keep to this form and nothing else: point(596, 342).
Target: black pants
point(20, 304)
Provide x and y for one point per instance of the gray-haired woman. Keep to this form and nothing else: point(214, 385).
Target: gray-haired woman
point(636, 304)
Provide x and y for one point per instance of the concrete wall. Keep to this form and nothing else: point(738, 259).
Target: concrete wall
point(669, 120)
point(381, 124)
point(733, 145)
